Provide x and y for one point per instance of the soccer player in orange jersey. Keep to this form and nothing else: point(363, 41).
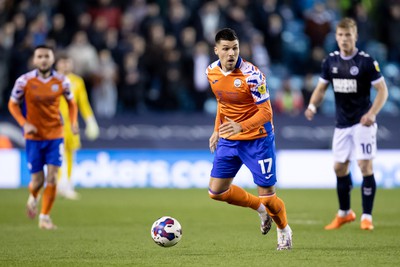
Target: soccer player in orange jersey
point(39, 92)
point(244, 134)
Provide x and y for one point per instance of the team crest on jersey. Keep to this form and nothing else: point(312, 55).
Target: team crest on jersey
point(354, 71)
point(334, 70)
point(54, 87)
point(262, 89)
point(377, 66)
point(237, 82)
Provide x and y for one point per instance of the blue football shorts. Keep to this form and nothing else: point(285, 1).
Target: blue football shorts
point(258, 155)
point(40, 153)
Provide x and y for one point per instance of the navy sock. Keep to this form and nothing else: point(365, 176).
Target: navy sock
point(343, 187)
point(368, 189)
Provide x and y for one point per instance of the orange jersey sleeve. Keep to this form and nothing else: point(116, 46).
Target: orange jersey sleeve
point(217, 121)
point(16, 112)
point(73, 112)
point(40, 99)
point(242, 96)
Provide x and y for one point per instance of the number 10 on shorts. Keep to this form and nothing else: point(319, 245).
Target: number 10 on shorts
point(366, 148)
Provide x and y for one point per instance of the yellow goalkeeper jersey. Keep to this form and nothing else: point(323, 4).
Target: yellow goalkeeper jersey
point(81, 98)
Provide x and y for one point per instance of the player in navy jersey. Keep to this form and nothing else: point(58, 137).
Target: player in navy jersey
point(352, 73)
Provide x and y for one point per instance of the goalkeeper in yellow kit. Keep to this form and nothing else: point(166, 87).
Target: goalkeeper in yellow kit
point(72, 142)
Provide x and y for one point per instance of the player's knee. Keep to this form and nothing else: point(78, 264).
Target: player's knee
point(36, 185)
point(365, 167)
point(51, 179)
point(37, 181)
point(340, 170)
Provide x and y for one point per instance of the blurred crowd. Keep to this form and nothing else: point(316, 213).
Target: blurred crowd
point(150, 55)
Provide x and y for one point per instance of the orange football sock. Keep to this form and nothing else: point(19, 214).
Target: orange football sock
point(49, 195)
point(276, 209)
point(236, 195)
point(33, 191)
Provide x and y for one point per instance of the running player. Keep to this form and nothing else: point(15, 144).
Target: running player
point(39, 92)
point(352, 73)
point(65, 187)
point(244, 134)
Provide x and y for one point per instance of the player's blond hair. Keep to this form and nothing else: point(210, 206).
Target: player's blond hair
point(347, 23)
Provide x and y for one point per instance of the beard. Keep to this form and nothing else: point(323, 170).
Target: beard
point(44, 71)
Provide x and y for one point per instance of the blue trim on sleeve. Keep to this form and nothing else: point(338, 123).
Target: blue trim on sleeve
point(268, 128)
point(262, 101)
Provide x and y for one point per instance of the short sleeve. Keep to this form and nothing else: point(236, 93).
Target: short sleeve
point(66, 85)
point(325, 74)
point(18, 91)
point(258, 87)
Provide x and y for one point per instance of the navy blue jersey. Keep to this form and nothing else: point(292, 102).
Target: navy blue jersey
point(351, 78)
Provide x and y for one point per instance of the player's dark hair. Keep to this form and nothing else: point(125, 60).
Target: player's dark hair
point(43, 46)
point(226, 34)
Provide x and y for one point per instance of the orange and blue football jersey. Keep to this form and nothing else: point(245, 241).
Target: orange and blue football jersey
point(40, 98)
point(241, 94)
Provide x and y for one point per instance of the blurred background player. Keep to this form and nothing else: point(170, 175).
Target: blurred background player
point(244, 134)
point(39, 92)
point(72, 141)
point(5, 142)
point(352, 73)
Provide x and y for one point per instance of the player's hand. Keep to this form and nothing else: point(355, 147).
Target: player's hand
point(309, 114)
point(213, 141)
point(229, 128)
point(368, 119)
point(29, 128)
point(75, 128)
point(92, 130)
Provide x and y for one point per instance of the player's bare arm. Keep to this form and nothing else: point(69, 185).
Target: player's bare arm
point(316, 99)
point(369, 118)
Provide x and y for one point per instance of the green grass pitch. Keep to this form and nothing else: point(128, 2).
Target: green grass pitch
point(111, 227)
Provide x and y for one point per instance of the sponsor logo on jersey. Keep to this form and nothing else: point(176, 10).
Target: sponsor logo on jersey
point(54, 87)
point(262, 89)
point(214, 81)
point(354, 71)
point(237, 82)
point(345, 85)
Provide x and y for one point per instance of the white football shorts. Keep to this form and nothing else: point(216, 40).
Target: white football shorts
point(357, 142)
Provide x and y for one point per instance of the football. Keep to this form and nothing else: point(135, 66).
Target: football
point(166, 231)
